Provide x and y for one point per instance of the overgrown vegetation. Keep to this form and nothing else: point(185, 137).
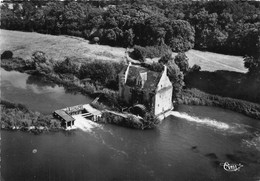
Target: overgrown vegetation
point(174, 72)
point(141, 53)
point(94, 78)
point(230, 27)
point(196, 97)
point(253, 65)
point(130, 120)
point(17, 116)
point(225, 83)
point(7, 54)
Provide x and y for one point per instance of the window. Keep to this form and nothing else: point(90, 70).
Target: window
point(139, 82)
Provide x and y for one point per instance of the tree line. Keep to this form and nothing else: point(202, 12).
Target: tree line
point(230, 27)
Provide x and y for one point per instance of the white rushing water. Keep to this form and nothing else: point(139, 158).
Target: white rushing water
point(205, 121)
point(84, 124)
point(87, 125)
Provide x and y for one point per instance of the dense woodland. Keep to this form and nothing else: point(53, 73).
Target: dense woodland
point(231, 27)
point(153, 27)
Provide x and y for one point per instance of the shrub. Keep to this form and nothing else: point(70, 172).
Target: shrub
point(165, 58)
point(10, 105)
point(253, 65)
point(140, 53)
point(182, 61)
point(102, 72)
point(197, 97)
point(176, 77)
point(195, 68)
point(96, 39)
point(39, 57)
point(66, 67)
point(157, 67)
point(7, 54)
point(98, 71)
point(55, 124)
point(75, 33)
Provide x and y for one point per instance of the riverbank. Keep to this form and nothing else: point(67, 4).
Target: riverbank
point(197, 97)
point(46, 70)
point(19, 117)
point(109, 97)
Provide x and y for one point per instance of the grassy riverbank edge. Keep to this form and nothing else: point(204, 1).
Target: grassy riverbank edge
point(15, 116)
point(197, 97)
point(110, 97)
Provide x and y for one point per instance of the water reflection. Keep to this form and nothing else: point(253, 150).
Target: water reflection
point(37, 93)
point(39, 81)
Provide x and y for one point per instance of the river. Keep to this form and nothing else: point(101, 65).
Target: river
point(192, 144)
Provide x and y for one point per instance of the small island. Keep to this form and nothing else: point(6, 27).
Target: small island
point(137, 95)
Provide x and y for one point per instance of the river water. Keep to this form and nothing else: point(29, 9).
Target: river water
point(192, 144)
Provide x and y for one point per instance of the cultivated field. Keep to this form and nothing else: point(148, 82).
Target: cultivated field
point(23, 44)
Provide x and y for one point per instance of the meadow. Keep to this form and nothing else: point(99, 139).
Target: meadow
point(23, 44)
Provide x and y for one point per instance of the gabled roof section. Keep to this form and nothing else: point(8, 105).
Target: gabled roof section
point(64, 115)
point(150, 84)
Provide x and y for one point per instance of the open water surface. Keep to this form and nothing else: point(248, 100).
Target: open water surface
point(189, 145)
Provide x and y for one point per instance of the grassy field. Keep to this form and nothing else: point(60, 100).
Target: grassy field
point(23, 44)
point(214, 61)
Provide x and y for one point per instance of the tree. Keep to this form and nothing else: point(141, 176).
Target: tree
point(74, 17)
point(7, 54)
point(166, 58)
point(176, 77)
point(109, 37)
point(195, 68)
point(66, 67)
point(182, 61)
point(6, 16)
point(41, 63)
point(39, 57)
point(128, 38)
point(204, 24)
point(154, 30)
point(179, 35)
point(98, 71)
point(253, 65)
point(53, 17)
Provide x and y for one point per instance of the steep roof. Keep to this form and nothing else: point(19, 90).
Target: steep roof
point(150, 84)
point(64, 115)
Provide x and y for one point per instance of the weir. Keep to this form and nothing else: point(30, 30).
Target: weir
point(84, 124)
point(205, 121)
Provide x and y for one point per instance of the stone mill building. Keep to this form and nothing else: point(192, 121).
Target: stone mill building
point(138, 85)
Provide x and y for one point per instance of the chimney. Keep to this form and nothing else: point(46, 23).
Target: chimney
point(165, 69)
point(143, 77)
point(127, 70)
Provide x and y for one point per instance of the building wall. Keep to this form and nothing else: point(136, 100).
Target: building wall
point(121, 82)
point(126, 93)
point(163, 101)
point(163, 97)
